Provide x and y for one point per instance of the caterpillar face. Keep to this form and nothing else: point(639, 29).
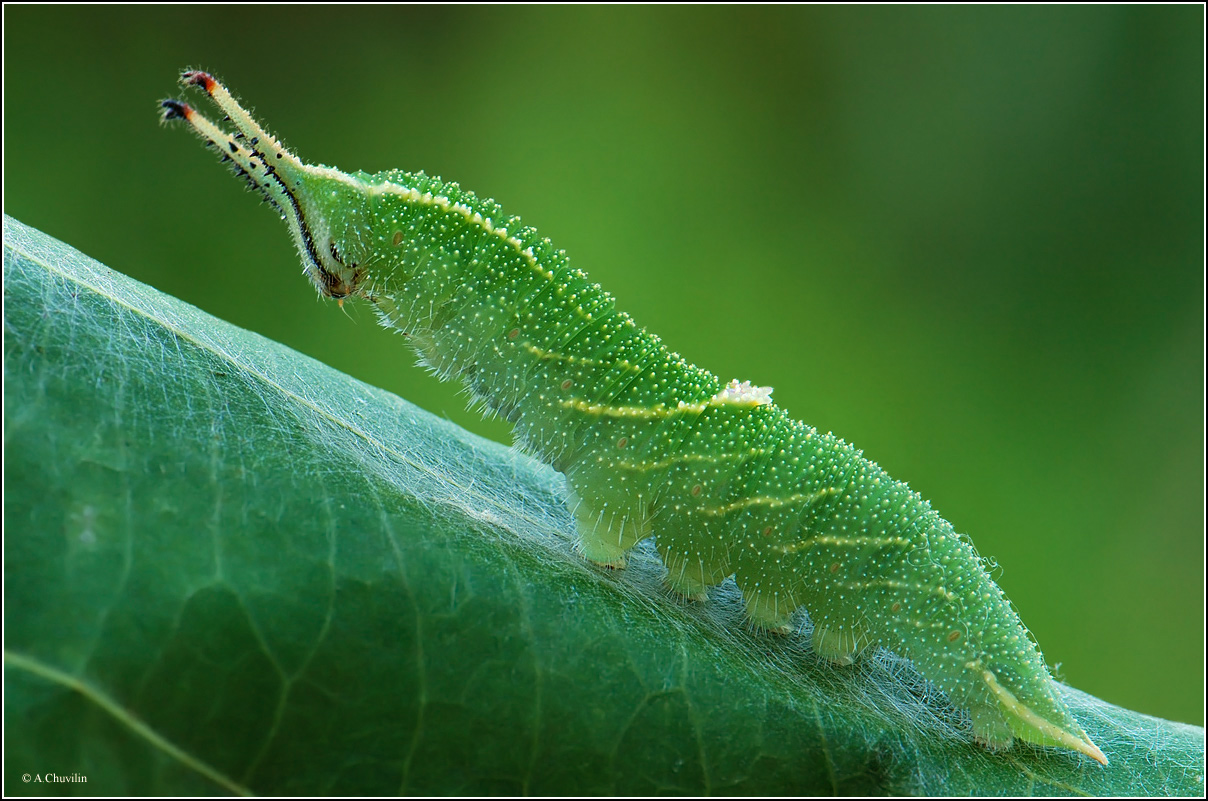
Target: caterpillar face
point(653, 446)
point(332, 213)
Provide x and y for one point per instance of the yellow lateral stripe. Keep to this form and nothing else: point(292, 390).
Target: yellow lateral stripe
point(846, 542)
point(660, 410)
point(554, 356)
point(769, 502)
point(643, 412)
point(549, 355)
point(894, 584)
point(681, 458)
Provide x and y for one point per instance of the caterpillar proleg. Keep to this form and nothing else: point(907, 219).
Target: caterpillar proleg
point(652, 446)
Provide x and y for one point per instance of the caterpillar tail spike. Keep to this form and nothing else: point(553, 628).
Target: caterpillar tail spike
point(652, 446)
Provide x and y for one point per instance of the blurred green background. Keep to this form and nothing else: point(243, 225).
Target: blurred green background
point(967, 239)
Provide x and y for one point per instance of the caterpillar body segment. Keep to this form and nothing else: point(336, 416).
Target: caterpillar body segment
point(652, 446)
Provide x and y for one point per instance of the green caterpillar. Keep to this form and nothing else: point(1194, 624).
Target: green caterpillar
point(651, 445)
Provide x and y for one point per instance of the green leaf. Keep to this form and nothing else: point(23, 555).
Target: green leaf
point(230, 569)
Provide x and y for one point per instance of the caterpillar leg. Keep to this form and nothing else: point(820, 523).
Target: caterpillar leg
point(685, 584)
point(770, 610)
point(990, 727)
point(606, 536)
point(838, 644)
point(689, 573)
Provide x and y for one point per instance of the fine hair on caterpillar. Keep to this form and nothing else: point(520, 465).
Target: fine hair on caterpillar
point(722, 479)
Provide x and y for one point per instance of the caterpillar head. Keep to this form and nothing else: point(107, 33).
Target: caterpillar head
point(326, 210)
